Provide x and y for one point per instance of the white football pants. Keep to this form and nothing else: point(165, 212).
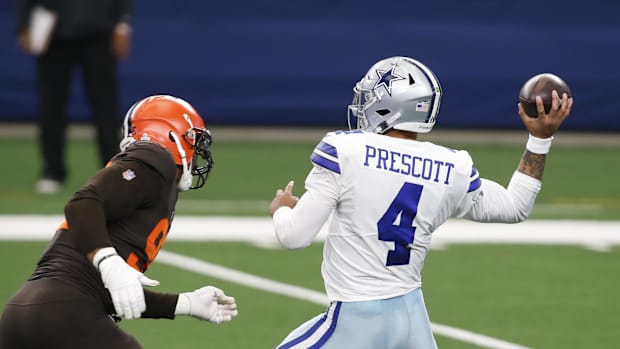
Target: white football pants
point(395, 323)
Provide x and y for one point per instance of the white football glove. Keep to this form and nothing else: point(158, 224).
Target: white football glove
point(123, 282)
point(207, 303)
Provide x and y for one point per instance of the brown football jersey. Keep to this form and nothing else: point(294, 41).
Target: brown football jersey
point(128, 205)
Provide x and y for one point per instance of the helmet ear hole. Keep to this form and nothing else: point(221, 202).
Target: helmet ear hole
point(411, 80)
point(383, 112)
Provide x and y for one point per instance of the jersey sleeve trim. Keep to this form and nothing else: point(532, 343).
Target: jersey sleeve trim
point(474, 180)
point(327, 149)
point(326, 156)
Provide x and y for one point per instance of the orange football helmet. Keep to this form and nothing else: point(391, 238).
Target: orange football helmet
point(175, 125)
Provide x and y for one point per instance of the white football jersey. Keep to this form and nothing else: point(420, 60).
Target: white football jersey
point(383, 197)
point(393, 194)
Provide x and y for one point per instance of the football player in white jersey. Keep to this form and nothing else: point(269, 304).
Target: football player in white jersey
point(384, 193)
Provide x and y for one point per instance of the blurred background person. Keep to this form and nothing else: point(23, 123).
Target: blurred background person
point(92, 35)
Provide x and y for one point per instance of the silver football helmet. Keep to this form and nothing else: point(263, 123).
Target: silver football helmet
point(397, 92)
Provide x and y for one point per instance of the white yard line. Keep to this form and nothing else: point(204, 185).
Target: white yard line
point(231, 275)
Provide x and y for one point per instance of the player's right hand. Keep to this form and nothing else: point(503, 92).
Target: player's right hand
point(207, 303)
point(123, 282)
point(121, 41)
point(545, 125)
point(284, 198)
point(23, 41)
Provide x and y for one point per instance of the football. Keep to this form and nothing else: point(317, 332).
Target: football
point(541, 85)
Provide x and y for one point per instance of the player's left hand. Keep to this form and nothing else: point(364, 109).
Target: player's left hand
point(207, 303)
point(545, 125)
point(283, 198)
point(123, 282)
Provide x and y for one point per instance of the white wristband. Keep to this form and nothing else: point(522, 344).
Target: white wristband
point(538, 145)
point(103, 254)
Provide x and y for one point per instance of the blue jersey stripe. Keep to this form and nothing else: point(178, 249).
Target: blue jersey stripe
point(327, 149)
point(325, 162)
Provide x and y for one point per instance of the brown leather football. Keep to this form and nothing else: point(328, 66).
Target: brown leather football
point(541, 85)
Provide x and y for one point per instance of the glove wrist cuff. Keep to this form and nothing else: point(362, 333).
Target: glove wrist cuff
point(183, 305)
point(103, 254)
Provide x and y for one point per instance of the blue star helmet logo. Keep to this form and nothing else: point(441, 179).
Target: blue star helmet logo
point(386, 78)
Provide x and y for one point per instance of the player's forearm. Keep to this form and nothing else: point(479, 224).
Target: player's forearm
point(533, 160)
point(297, 228)
point(532, 164)
point(292, 230)
point(159, 305)
point(505, 205)
point(515, 203)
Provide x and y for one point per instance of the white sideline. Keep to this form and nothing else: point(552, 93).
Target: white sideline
point(596, 235)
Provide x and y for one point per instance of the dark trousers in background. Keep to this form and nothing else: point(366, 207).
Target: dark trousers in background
point(98, 68)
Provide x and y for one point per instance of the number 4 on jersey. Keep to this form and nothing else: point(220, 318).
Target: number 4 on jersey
point(396, 224)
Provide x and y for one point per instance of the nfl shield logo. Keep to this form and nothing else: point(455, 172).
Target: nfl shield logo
point(129, 175)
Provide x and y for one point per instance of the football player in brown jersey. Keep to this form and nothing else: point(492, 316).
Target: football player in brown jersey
point(91, 273)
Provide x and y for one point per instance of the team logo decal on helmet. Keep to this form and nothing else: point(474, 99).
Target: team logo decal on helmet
point(386, 78)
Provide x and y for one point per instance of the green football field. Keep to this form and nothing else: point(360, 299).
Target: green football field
point(534, 296)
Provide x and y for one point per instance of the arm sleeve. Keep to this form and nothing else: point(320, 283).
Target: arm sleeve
point(23, 9)
point(111, 194)
point(159, 305)
point(125, 11)
point(493, 203)
point(297, 227)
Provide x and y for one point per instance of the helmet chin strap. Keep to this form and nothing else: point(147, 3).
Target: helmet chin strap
point(125, 142)
point(185, 182)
